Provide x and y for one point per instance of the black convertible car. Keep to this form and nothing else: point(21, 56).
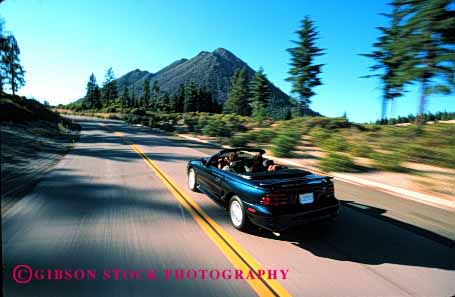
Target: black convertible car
point(256, 191)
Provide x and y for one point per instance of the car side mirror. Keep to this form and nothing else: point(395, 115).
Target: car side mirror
point(204, 162)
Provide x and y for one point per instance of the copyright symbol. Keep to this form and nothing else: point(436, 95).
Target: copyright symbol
point(22, 274)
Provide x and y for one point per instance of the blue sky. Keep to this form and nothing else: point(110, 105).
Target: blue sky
point(62, 42)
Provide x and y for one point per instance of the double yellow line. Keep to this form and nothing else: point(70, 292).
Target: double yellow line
point(231, 249)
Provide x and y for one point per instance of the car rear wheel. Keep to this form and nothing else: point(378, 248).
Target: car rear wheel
point(192, 185)
point(237, 214)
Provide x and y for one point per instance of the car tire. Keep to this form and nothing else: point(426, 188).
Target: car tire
point(237, 214)
point(192, 180)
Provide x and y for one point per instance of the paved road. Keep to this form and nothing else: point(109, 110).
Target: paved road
point(102, 207)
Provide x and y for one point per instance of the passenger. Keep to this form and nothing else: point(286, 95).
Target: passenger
point(231, 159)
point(256, 165)
point(271, 166)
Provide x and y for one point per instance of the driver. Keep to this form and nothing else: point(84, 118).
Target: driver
point(222, 162)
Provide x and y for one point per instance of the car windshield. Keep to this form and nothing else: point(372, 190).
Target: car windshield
point(240, 154)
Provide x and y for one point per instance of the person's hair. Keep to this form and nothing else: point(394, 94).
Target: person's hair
point(267, 163)
point(232, 156)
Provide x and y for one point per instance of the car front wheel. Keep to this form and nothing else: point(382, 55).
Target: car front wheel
point(237, 214)
point(192, 180)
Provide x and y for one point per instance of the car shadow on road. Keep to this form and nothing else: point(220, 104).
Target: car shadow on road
point(365, 239)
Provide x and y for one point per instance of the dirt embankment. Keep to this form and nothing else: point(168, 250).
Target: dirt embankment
point(33, 139)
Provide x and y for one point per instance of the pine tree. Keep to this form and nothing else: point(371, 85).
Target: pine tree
point(2, 51)
point(417, 47)
point(304, 73)
point(92, 97)
point(238, 97)
point(260, 95)
point(155, 98)
point(132, 97)
point(125, 99)
point(190, 103)
point(11, 69)
point(205, 100)
point(173, 103)
point(110, 92)
point(180, 102)
point(280, 108)
point(146, 92)
point(96, 97)
point(389, 54)
point(433, 61)
point(165, 103)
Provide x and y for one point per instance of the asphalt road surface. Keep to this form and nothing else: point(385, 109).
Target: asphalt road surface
point(103, 210)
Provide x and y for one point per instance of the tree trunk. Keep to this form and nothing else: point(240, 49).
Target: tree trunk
point(13, 78)
point(422, 102)
point(384, 109)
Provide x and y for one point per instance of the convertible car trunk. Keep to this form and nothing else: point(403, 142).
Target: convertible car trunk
point(288, 185)
point(281, 177)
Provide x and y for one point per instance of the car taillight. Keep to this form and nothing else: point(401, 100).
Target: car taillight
point(275, 199)
point(328, 190)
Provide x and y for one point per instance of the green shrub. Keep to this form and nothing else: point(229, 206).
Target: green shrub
point(216, 128)
point(134, 119)
point(264, 136)
point(190, 121)
point(137, 111)
point(113, 109)
point(334, 143)
point(202, 121)
point(434, 155)
point(337, 163)
point(233, 122)
point(361, 150)
point(329, 141)
point(388, 162)
point(327, 123)
point(318, 135)
point(239, 140)
point(285, 142)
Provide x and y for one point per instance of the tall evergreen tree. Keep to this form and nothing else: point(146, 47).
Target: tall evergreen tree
point(146, 92)
point(92, 97)
point(190, 103)
point(173, 103)
point(304, 72)
point(389, 54)
point(433, 61)
point(11, 69)
point(132, 97)
point(155, 98)
point(205, 100)
point(416, 47)
point(2, 51)
point(125, 99)
point(260, 95)
point(180, 100)
point(238, 97)
point(280, 108)
point(110, 92)
point(216, 106)
point(165, 103)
